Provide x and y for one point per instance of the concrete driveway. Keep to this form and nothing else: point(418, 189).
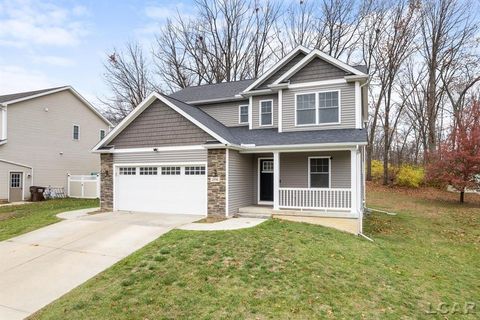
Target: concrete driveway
point(39, 267)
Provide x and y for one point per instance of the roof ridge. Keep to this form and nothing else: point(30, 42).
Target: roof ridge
point(31, 92)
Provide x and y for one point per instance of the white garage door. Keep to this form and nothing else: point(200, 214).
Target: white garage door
point(162, 189)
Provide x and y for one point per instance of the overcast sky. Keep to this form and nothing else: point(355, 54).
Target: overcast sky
point(52, 43)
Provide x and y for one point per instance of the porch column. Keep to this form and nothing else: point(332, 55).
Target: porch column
point(276, 180)
point(354, 178)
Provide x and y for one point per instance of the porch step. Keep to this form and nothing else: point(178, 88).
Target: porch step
point(262, 212)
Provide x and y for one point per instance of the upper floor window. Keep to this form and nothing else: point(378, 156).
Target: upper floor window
point(318, 108)
point(76, 132)
point(266, 113)
point(328, 107)
point(306, 109)
point(243, 114)
point(102, 134)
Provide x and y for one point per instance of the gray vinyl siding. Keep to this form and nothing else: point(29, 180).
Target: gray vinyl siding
point(160, 125)
point(161, 156)
point(240, 181)
point(226, 112)
point(294, 169)
point(317, 70)
point(347, 107)
point(281, 71)
point(40, 136)
point(256, 111)
point(5, 169)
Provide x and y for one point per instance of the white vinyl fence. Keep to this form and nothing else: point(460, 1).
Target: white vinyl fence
point(84, 186)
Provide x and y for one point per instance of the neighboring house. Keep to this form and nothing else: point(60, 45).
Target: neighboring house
point(44, 136)
point(292, 141)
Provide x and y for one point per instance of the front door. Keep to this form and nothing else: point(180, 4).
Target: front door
point(16, 187)
point(266, 180)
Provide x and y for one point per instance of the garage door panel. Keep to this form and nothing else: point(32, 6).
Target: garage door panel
point(180, 194)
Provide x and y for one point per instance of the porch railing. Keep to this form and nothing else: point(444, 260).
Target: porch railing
point(315, 198)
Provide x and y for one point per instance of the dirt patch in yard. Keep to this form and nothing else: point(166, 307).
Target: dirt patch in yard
point(211, 220)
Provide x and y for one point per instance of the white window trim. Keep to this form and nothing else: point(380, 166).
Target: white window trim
point(329, 171)
point(260, 113)
point(317, 108)
point(104, 133)
point(73, 132)
point(240, 113)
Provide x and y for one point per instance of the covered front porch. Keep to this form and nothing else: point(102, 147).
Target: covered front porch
point(296, 183)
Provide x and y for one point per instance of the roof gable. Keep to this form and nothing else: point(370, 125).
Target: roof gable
point(287, 66)
point(282, 62)
point(157, 126)
point(317, 70)
point(196, 116)
point(329, 60)
point(23, 96)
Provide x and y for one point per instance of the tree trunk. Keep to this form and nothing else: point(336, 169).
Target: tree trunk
point(369, 163)
point(462, 196)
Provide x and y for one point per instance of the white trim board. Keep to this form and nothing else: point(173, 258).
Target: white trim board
point(318, 54)
point(329, 171)
point(260, 113)
point(141, 107)
point(276, 66)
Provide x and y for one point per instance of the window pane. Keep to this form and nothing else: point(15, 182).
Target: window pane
point(102, 134)
point(76, 132)
point(327, 115)
point(319, 165)
point(306, 116)
point(319, 180)
point(266, 113)
point(243, 114)
point(306, 101)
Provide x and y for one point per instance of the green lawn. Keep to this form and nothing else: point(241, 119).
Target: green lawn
point(15, 220)
point(429, 253)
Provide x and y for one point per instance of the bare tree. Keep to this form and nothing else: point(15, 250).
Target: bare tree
point(394, 48)
point(446, 28)
point(228, 40)
point(128, 77)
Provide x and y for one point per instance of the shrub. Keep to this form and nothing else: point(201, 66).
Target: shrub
point(377, 170)
point(410, 176)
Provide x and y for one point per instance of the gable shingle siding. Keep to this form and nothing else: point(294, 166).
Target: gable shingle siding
point(281, 71)
point(317, 70)
point(160, 125)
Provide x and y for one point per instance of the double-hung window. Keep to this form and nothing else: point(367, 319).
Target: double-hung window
point(328, 107)
point(319, 172)
point(306, 109)
point(243, 114)
point(266, 113)
point(318, 108)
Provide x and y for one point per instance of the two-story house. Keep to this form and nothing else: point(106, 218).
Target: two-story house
point(44, 136)
point(290, 143)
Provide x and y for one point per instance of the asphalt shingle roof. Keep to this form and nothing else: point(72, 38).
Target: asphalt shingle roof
point(19, 95)
point(224, 90)
point(266, 137)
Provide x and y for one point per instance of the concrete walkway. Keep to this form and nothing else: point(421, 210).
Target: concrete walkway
point(41, 266)
point(229, 224)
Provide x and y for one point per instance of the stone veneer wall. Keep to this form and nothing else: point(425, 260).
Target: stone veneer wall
point(216, 182)
point(106, 182)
